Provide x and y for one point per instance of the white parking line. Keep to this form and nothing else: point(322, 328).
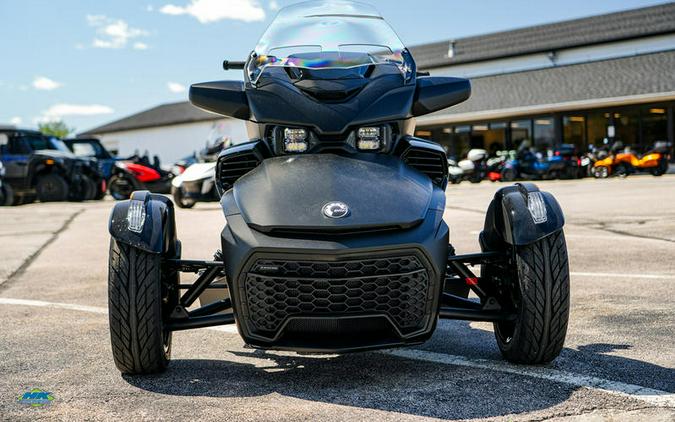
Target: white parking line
point(624, 275)
point(648, 395)
point(42, 304)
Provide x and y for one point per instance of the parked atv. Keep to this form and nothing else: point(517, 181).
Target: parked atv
point(334, 239)
point(92, 148)
point(473, 168)
point(42, 167)
point(123, 175)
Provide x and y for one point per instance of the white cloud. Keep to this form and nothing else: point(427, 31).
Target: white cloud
point(140, 46)
point(16, 121)
point(206, 11)
point(274, 5)
point(45, 84)
point(58, 111)
point(113, 33)
point(175, 87)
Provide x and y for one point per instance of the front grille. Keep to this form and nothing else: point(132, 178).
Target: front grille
point(398, 287)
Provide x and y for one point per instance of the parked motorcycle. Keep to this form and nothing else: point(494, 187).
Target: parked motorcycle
point(131, 175)
point(473, 168)
point(197, 182)
point(334, 239)
point(531, 165)
point(573, 167)
point(496, 164)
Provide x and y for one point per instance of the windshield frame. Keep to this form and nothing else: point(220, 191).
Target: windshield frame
point(340, 40)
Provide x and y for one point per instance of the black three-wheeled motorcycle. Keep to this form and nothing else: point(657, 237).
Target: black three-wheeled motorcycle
point(334, 239)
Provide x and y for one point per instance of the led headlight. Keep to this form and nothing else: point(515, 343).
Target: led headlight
point(295, 140)
point(368, 138)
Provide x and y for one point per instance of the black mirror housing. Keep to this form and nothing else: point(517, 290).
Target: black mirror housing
point(438, 92)
point(222, 97)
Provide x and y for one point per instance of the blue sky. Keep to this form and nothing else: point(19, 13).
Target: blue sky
point(89, 62)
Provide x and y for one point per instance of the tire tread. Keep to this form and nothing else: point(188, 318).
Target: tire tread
point(135, 310)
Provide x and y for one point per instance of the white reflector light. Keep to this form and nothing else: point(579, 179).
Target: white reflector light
point(136, 216)
point(368, 138)
point(537, 207)
point(295, 140)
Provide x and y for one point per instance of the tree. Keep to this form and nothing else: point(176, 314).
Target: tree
point(56, 128)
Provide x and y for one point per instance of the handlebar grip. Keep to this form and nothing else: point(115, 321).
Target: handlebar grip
point(231, 65)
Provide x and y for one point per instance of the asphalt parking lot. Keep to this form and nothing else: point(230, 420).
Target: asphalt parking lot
point(618, 361)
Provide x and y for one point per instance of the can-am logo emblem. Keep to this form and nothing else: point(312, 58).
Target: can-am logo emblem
point(335, 210)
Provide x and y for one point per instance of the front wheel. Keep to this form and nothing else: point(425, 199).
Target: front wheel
point(52, 187)
point(541, 299)
point(509, 175)
point(122, 186)
point(661, 169)
point(180, 200)
point(600, 172)
point(138, 305)
point(622, 170)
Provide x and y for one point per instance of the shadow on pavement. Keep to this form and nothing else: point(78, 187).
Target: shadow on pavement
point(389, 383)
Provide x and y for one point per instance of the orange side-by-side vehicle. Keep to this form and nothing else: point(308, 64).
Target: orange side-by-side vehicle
point(624, 163)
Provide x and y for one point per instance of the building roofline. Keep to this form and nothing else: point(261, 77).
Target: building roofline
point(572, 33)
point(120, 126)
point(471, 116)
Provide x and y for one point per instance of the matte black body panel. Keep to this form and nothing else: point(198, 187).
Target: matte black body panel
point(288, 193)
point(240, 242)
point(438, 92)
point(509, 221)
point(385, 97)
point(223, 97)
point(159, 229)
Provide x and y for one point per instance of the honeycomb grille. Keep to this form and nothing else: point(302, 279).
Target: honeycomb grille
point(395, 286)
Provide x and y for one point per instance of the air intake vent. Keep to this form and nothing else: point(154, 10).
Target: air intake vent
point(237, 161)
point(428, 161)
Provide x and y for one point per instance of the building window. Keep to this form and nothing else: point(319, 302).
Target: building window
point(654, 126)
point(521, 130)
point(544, 133)
point(574, 131)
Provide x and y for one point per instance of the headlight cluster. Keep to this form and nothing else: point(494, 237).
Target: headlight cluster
point(299, 140)
point(295, 140)
point(368, 139)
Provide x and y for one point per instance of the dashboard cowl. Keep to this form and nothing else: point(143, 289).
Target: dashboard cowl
point(288, 193)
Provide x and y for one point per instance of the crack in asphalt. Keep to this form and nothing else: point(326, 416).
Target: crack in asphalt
point(600, 225)
point(32, 257)
point(596, 225)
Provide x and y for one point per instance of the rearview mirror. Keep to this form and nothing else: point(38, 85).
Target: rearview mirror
point(222, 97)
point(439, 92)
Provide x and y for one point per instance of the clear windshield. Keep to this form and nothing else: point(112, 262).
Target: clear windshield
point(328, 35)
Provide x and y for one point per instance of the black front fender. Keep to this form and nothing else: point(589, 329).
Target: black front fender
point(520, 215)
point(157, 231)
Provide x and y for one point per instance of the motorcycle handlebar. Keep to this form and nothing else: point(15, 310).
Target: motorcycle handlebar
point(232, 65)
